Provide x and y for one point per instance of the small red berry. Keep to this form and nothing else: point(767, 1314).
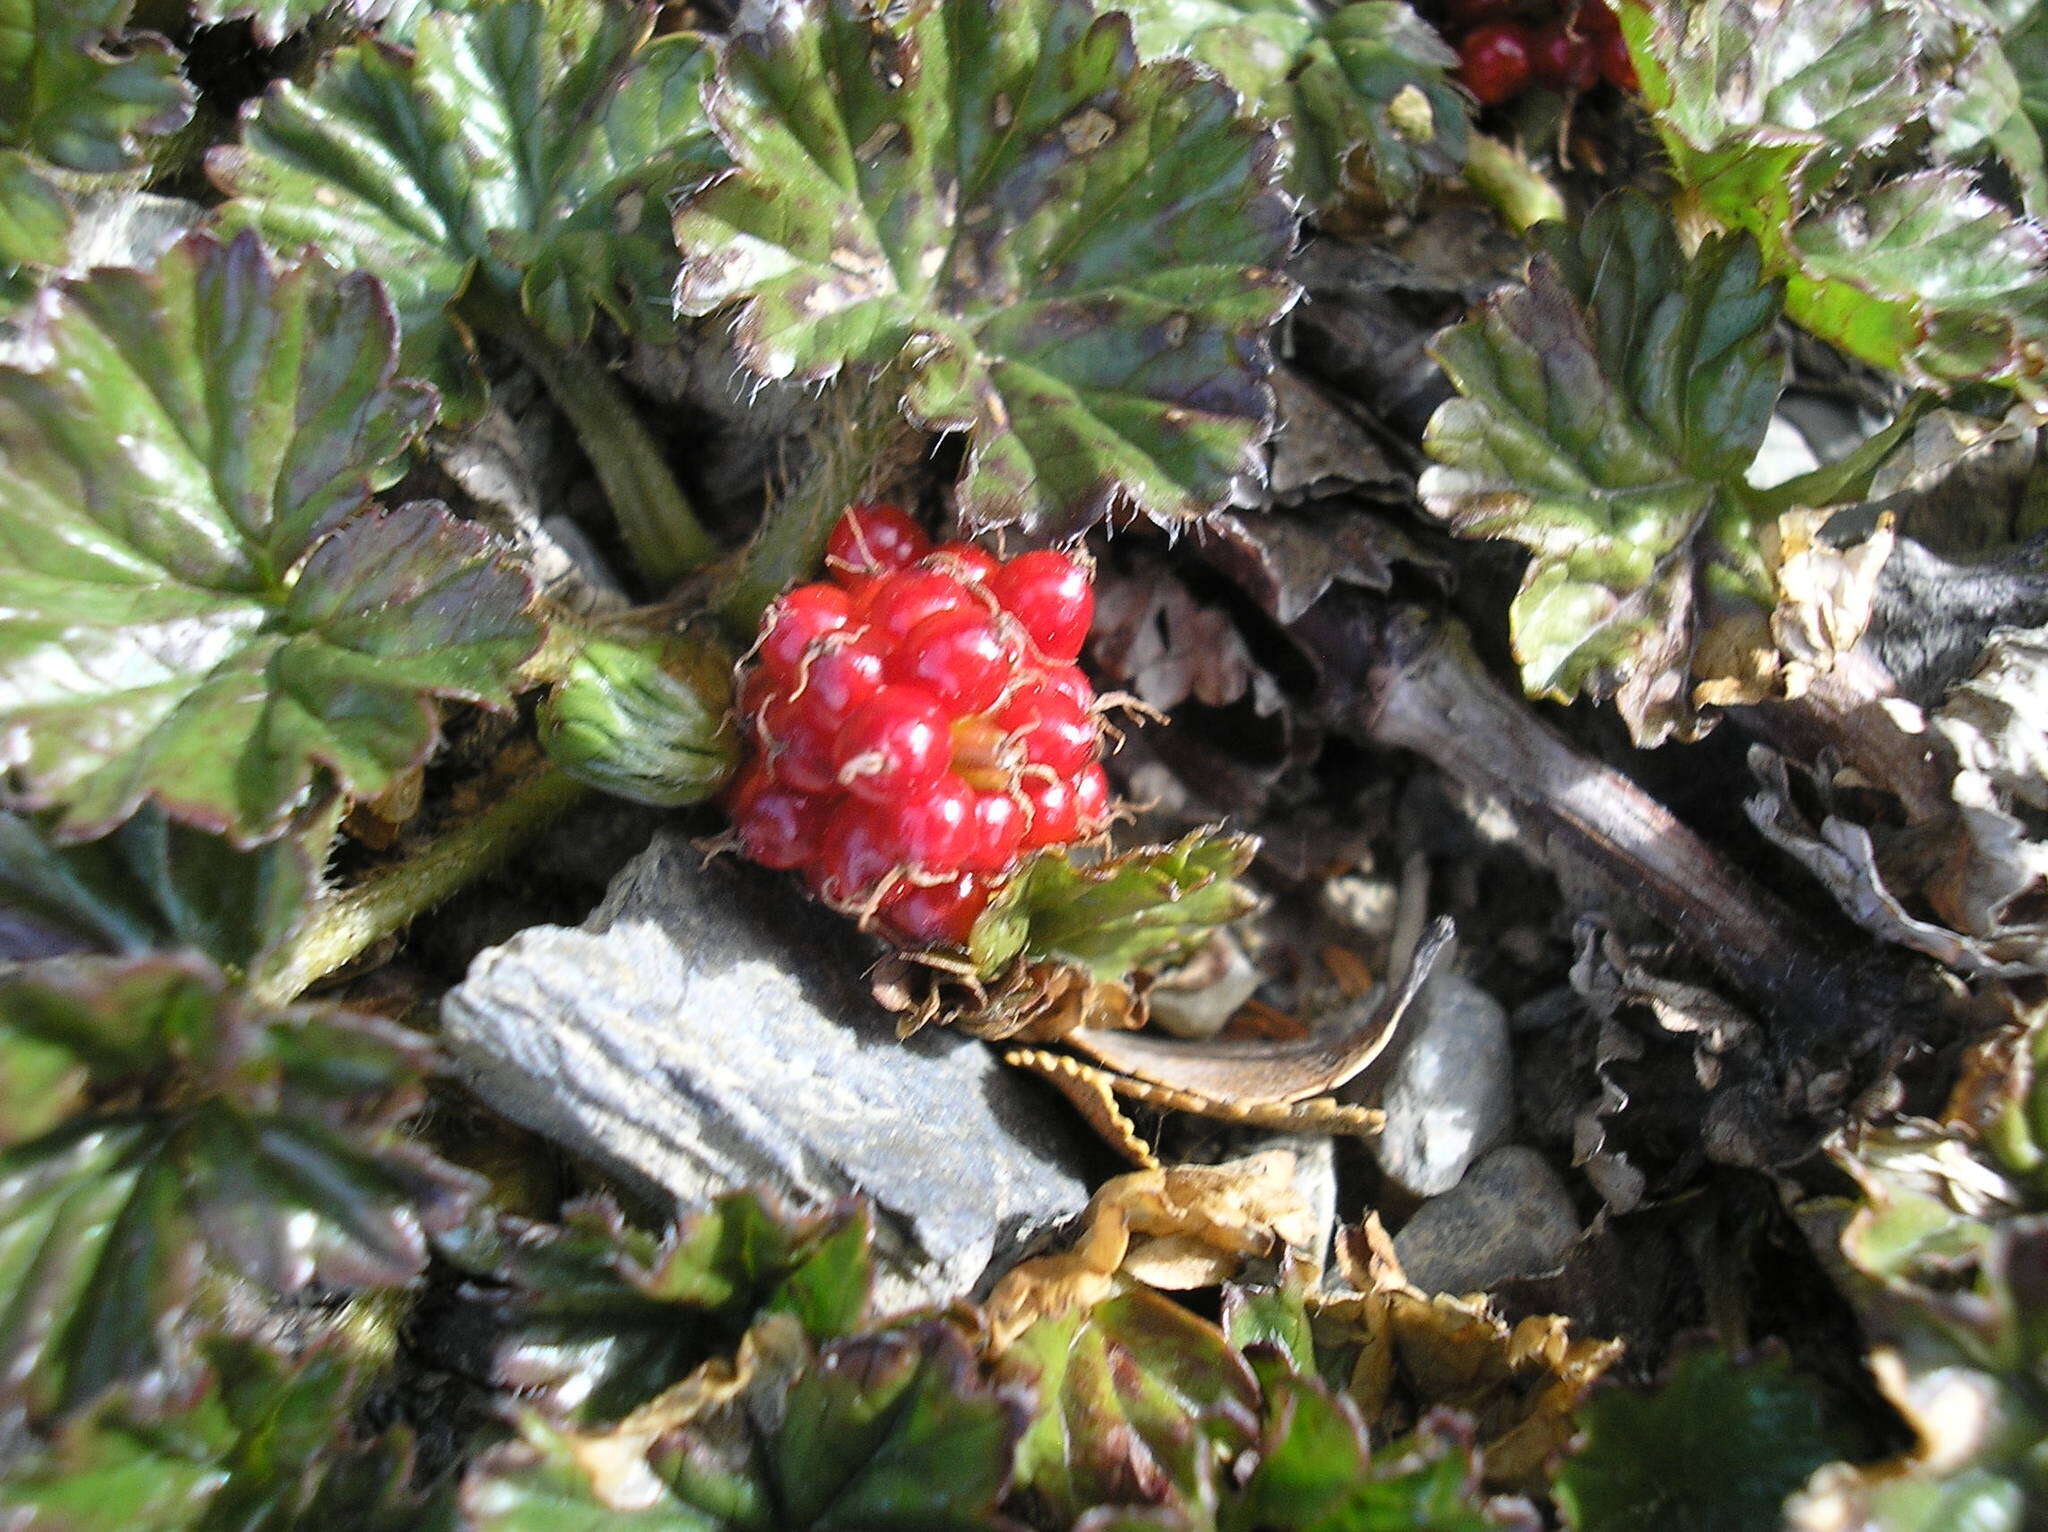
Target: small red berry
point(998, 833)
point(1050, 726)
point(778, 826)
point(1494, 63)
point(1069, 680)
point(1051, 595)
point(853, 855)
point(964, 561)
point(799, 749)
point(1563, 59)
point(958, 657)
point(1091, 797)
point(798, 620)
point(1612, 59)
point(840, 674)
point(900, 602)
point(944, 912)
point(872, 539)
point(897, 742)
point(932, 830)
point(1052, 813)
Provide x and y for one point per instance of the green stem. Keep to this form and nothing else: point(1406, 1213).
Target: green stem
point(662, 530)
point(862, 441)
point(1520, 192)
point(350, 922)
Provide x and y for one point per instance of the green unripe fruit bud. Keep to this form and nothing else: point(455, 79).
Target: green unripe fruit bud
point(649, 719)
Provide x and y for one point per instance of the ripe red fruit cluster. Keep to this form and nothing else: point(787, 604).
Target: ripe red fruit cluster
point(917, 725)
point(1502, 50)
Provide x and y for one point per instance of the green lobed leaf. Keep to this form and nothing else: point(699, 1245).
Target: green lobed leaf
point(195, 608)
point(1369, 79)
point(1128, 911)
point(221, 1144)
point(1136, 1400)
point(265, 1446)
point(1072, 258)
point(888, 1430)
point(35, 225)
point(530, 147)
point(274, 20)
point(598, 1317)
point(647, 720)
point(155, 884)
point(1717, 1445)
point(1765, 110)
point(77, 91)
point(1608, 408)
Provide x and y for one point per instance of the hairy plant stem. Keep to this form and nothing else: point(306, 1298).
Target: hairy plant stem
point(862, 444)
point(660, 526)
point(1519, 192)
point(350, 921)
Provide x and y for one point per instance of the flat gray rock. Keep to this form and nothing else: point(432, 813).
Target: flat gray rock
point(706, 1029)
point(1451, 1095)
point(1511, 1216)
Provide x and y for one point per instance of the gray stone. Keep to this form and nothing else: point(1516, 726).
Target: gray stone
point(708, 1029)
point(1198, 999)
point(1511, 1216)
point(1450, 1096)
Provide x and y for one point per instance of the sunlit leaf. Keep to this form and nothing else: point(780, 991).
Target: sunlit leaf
point(195, 607)
point(1072, 258)
point(273, 20)
point(529, 147)
point(220, 1143)
point(1609, 408)
point(1368, 79)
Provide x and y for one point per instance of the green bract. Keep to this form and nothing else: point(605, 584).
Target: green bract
point(1766, 110)
point(201, 1143)
point(648, 720)
point(196, 606)
point(1367, 80)
point(68, 99)
point(1142, 909)
point(527, 147)
point(1609, 409)
point(1073, 258)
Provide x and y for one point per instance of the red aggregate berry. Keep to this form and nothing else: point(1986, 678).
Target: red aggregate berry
point(873, 539)
point(778, 827)
point(923, 915)
point(1051, 595)
point(1494, 62)
point(958, 657)
point(898, 741)
point(798, 620)
point(1597, 19)
point(919, 728)
point(1564, 59)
